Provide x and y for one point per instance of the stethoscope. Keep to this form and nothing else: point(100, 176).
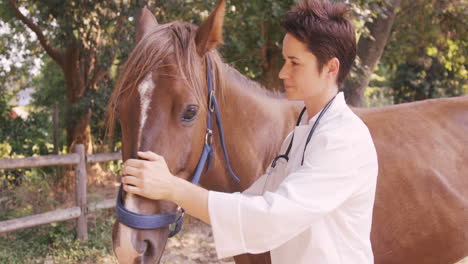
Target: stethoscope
point(286, 155)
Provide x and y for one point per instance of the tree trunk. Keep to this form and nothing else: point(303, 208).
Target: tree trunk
point(270, 60)
point(78, 68)
point(369, 51)
point(79, 131)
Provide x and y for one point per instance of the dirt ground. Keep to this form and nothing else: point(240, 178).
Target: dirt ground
point(194, 244)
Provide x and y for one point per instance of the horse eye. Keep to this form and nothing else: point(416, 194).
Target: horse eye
point(190, 113)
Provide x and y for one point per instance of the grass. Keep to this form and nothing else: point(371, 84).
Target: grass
point(57, 243)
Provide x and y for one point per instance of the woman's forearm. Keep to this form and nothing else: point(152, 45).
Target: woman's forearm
point(191, 197)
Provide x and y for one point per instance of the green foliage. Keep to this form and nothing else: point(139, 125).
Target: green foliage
point(57, 242)
point(248, 27)
point(50, 85)
point(19, 138)
point(426, 57)
point(433, 79)
point(27, 137)
point(33, 195)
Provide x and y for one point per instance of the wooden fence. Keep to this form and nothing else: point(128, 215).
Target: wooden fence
point(81, 208)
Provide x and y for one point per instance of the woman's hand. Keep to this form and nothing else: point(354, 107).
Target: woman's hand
point(149, 178)
point(152, 179)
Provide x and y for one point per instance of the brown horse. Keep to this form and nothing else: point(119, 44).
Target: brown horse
point(421, 206)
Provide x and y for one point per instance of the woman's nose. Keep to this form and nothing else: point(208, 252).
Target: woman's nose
point(283, 74)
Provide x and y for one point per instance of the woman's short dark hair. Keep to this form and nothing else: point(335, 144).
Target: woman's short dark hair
point(324, 28)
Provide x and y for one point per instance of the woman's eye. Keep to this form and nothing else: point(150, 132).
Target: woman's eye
point(190, 113)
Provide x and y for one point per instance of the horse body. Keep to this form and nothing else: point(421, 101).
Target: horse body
point(421, 203)
point(420, 213)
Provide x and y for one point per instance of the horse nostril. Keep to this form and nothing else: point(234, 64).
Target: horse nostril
point(144, 247)
point(140, 246)
point(148, 248)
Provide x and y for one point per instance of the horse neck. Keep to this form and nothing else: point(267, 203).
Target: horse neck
point(255, 122)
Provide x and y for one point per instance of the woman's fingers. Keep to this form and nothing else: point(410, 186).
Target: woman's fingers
point(131, 180)
point(134, 163)
point(128, 170)
point(149, 155)
point(131, 189)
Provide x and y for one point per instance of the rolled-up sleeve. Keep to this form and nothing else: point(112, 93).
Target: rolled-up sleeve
point(244, 223)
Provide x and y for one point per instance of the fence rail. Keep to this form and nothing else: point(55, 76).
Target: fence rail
point(32, 162)
point(81, 209)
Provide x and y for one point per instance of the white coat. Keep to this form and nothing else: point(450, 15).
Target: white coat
point(317, 213)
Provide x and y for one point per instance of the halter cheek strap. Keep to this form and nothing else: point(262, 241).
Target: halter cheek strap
point(212, 108)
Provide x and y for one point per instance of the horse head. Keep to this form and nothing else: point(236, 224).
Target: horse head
point(160, 100)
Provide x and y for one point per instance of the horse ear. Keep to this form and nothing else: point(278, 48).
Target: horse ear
point(145, 23)
point(210, 33)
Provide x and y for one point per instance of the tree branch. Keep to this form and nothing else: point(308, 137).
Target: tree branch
point(54, 54)
point(100, 73)
point(98, 76)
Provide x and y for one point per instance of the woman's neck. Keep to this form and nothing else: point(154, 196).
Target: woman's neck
point(317, 103)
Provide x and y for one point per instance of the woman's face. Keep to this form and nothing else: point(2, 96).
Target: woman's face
point(300, 74)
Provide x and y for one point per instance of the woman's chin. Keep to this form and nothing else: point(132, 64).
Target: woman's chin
point(292, 97)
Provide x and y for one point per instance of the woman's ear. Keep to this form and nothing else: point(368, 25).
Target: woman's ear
point(333, 68)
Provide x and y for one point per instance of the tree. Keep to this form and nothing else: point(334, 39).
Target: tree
point(84, 38)
point(427, 55)
point(254, 39)
point(369, 50)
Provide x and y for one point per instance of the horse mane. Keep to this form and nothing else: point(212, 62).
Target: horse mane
point(250, 85)
point(177, 38)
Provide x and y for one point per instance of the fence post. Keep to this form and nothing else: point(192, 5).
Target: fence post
point(80, 184)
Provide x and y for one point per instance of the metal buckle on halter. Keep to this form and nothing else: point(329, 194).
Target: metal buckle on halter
point(181, 210)
point(173, 226)
point(209, 137)
point(211, 102)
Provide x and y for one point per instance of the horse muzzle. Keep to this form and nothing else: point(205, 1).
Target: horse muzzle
point(133, 246)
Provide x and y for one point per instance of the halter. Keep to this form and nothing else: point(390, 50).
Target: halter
point(153, 221)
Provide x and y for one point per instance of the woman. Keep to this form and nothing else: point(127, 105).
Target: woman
point(314, 204)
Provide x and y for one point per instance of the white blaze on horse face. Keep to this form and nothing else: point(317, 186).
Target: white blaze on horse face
point(145, 89)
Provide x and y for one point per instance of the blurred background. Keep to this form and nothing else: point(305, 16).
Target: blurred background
point(59, 61)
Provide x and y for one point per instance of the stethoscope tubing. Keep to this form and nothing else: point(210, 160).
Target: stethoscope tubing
point(312, 130)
